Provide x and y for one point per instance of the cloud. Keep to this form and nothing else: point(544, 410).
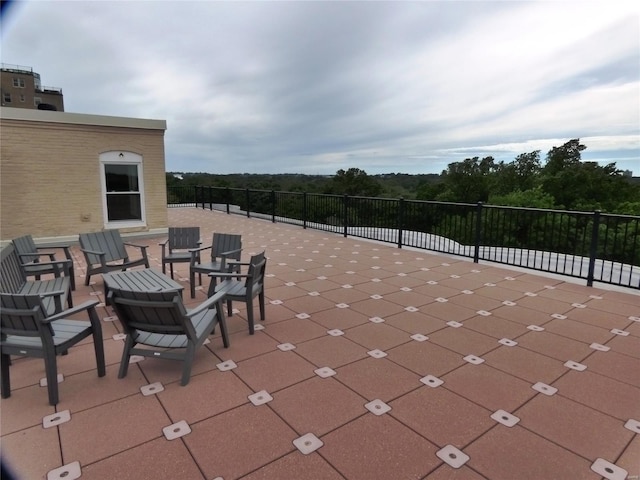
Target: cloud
point(312, 87)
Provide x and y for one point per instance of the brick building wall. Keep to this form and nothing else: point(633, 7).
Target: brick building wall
point(50, 172)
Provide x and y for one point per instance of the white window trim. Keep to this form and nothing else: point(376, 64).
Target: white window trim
point(119, 158)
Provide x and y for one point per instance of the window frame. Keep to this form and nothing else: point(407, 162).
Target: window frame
point(117, 157)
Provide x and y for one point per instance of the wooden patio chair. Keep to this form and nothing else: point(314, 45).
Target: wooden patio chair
point(239, 287)
point(28, 331)
point(226, 249)
point(30, 254)
point(105, 251)
point(176, 248)
point(164, 327)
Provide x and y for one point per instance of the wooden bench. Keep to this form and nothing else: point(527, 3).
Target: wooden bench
point(54, 292)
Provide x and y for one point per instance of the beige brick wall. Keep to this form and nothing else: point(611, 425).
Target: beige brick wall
point(50, 184)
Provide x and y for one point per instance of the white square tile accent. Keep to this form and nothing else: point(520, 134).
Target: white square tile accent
point(473, 359)
point(350, 272)
point(617, 331)
point(56, 419)
point(505, 418)
point(59, 378)
point(70, 471)
point(595, 297)
point(549, 287)
point(335, 332)
point(467, 292)
point(376, 320)
point(599, 347)
point(608, 470)
point(530, 294)
point(342, 305)
point(151, 389)
point(176, 430)
point(94, 294)
point(489, 284)
point(290, 284)
point(454, 324)
point(575, 365)
point(183, 279)
point(346, 285)
point(406, 289)
point(285, 347)
point(507, 342)
point(441, 300)
point(559, 316)
point(535, 328)
point(260, 398)
point(325, 372)
point(276, 302)
point(375, 268)
point(227, 365)
point(432, 282)
point(411, 309)
point(475, 271)
point(509, 303)
point(206, 342)
point(136, 358)
point(303, 316)
point(376, 280)
point(634, 319)
point(308, 443)
point(376, 353)
point(376, 297)
point(544, 388)
point(431, 381)
point(418, 337)
point(633, 425)
point(578, 305)
point(509, 278)
point(454, 276)
point(257, 327)
point(112, 318)
point(377, 407)
point(484, 313)
point(119, 336)
point(452, 456)
point(314, 294)
point(445, 264)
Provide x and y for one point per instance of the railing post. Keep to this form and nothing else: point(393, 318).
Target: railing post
point(345, 215)
point(478, 239)
point(248, 199)
point(401, 207)
point(304, 210)
point(273, 204)
point(593, 251)
point(210, 198)
point(228, 196)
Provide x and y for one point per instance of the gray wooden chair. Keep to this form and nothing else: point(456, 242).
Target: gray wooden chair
point(176, 248)
point(225, 247)
point(159, 320)
point(105, 251)
point(28, 331)
point(30, 254)
point(239, 287)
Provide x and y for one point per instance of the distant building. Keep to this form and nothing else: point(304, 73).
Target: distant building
point(20, 87)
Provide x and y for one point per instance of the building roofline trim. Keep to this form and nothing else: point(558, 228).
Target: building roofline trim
point(34, 115)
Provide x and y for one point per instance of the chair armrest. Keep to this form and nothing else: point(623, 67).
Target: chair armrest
point(226, 254)
point(207, 304)
point(162, 244)
point(67, 252)
point(143, 248)
point(93, 252)
point(52, 293)
point(228, 275)
point(51, 255)
point(199, 249)
point(73, 310)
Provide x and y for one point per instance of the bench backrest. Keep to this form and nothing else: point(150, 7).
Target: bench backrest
point(24, 245)
point(182, 238)
point(12, 276)
point(108, 242)
point(23, 315)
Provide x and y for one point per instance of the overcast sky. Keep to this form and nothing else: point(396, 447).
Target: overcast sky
point(313, 87)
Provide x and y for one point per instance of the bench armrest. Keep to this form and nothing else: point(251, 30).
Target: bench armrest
point(73, 310)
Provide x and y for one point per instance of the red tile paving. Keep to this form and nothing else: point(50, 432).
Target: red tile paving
point(318, 282)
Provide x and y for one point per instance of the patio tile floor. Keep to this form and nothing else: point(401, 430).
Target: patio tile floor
point(381, 401)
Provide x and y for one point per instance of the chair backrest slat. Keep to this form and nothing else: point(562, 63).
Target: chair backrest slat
point(182, 238)
point(108, 241)
point(257, 268)
point(226, 242)
point(22, 315)
point(25, 245)
point(12, 276)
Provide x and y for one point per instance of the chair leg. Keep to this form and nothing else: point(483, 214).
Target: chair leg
point(5, 362)
point(192, 283)
point(250, 316)
point(224, 333)
point(126, 354)
point(171, 268)
point(229, 308)
point(51, 369)
point(164, 268)
point(261, 300)
point(98, 345)
point(188, 361)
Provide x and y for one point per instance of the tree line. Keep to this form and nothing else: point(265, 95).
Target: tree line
point(563, 181)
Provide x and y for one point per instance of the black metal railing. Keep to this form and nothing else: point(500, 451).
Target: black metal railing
point(593, 246)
